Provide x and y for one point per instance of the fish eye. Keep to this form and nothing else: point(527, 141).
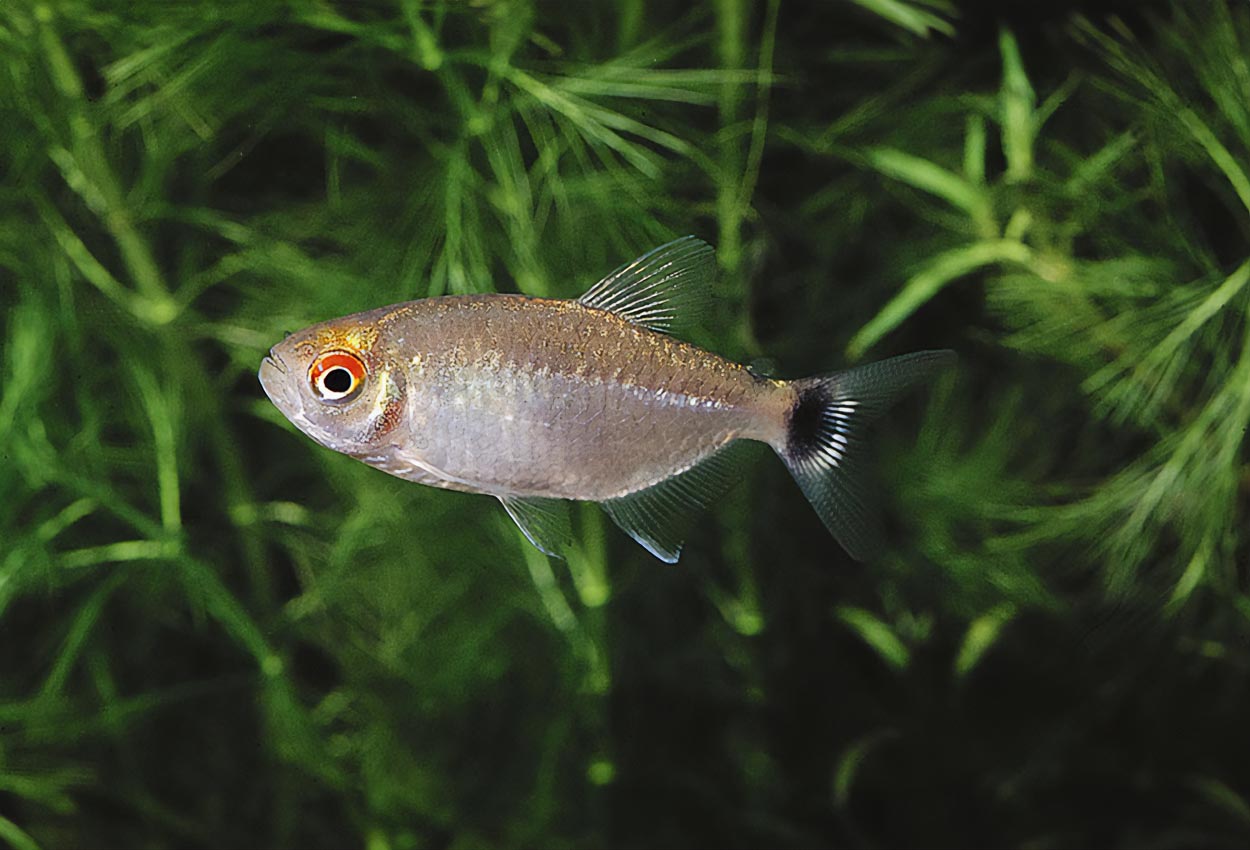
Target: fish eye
point(336, 376)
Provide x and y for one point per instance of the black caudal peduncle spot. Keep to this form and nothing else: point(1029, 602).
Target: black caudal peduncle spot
point(807, 422)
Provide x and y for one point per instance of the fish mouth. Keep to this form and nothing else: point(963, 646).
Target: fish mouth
point(275, 359)
point(273, 380)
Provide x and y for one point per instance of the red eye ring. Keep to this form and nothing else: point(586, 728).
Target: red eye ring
point(336, 375)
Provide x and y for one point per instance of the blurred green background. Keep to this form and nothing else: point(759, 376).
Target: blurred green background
point(214, 633)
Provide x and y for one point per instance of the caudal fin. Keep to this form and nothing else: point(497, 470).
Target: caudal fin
point(824, 434)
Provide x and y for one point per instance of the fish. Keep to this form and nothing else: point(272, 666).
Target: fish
point(540, 402)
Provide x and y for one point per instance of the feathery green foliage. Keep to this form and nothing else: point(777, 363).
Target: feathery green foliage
point(215, 633)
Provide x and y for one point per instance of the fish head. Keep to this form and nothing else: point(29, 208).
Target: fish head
point(338, 384)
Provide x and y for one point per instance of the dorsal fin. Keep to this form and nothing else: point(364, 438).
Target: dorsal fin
point(668, 282)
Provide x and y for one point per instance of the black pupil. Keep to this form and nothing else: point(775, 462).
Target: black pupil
point(337, 380)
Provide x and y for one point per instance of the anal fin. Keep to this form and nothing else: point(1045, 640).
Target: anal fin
point(660, 516)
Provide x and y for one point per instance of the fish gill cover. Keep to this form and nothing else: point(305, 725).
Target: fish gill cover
point(215, 634)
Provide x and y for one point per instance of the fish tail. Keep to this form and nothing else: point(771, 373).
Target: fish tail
point(824, 434)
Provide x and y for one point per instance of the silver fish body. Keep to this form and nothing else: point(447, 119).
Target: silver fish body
point(536, 400)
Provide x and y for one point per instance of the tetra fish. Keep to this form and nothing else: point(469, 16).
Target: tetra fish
point(536, 401)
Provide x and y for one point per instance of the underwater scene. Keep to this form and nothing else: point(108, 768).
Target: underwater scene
point(508, 424)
